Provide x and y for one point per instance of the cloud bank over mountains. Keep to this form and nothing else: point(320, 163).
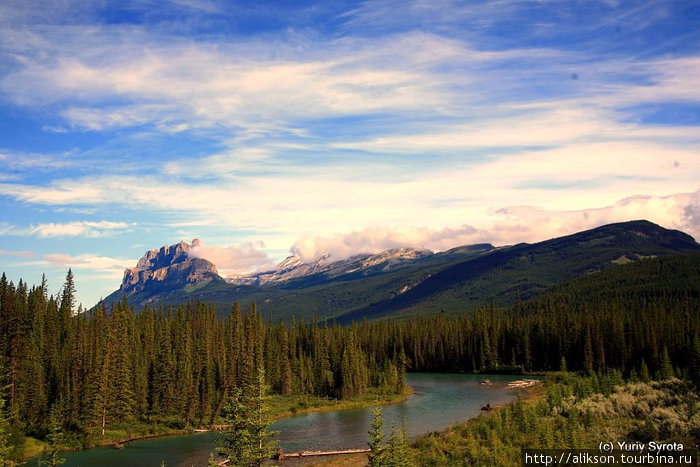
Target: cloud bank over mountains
point(513, 225)
point(235, 259)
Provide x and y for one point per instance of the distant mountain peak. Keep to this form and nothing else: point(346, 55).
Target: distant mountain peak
point(168, 267)
point(400, 280)
point(294, 266)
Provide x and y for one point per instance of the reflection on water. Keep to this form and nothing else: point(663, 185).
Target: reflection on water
point(438, 401)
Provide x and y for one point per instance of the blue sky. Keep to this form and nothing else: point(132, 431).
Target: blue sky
point(265, 128)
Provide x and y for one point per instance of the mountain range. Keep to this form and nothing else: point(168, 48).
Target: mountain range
point(397, 282)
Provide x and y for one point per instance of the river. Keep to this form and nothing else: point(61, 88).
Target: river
point(438, 401)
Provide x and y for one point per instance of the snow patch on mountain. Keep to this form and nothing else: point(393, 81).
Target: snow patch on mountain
point(294, 267)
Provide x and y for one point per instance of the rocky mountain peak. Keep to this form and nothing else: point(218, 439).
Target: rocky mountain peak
point(169, 267)
point(294, 267)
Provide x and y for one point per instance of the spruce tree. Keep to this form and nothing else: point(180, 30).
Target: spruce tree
point(235, 442)
point(5, 446)
point(286, 377)
point(644, 375)
point(247, 440)
point(665, 369)
point(264, 444)
point(376, 450)
point(55, 438)
point(397, 450)
point(694, 364)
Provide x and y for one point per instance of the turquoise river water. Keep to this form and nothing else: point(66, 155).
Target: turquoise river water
point(438, 401)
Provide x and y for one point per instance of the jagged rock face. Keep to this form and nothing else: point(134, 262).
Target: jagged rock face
point(170, 267)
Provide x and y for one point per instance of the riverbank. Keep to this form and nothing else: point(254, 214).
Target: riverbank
point(570, 412)
point(530, 395)
point(280, 406)
point(439, 401)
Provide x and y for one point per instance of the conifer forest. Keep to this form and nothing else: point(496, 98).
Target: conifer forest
point(96, 369)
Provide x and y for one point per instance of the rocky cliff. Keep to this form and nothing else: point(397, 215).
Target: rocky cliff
point(168, 268)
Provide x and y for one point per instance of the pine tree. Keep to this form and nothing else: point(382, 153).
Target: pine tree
point(68, 295)
point(248, 441)
point(55, 438)
point(121, 393)
point(588, 353)
point(665, 369)
point(235, 442)
point(5, 446)
point(397, 450)
point(286, 367)
point(644, 375)
point(376, 450)
point(264, 446)
point(694, 364)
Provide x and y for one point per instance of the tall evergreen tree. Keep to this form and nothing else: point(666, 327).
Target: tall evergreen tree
point(665, 369)
point(235, 442)
point(397, 450)
point(247, 440)
point(55, 438)
point(376, 450)
point(694, 366)
point(264, 444)
point(5, 446)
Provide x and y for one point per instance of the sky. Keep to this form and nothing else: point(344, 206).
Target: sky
point(276, 127)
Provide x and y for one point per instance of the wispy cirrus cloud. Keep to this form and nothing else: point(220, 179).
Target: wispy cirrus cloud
point(89, 229)
point(23, 161)
point(78, 229)
point(18, 253)
point(103, 266)
point(194, 84)
point(581, 176)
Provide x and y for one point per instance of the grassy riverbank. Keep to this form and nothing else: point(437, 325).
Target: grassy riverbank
point(281, 407)
point(569, 412)
point(566, 412)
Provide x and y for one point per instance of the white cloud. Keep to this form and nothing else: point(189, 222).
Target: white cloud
point(526, 223)
point(103, 267)
point(18, 253)
point(227, 85)
point(510, 225)
point(71, 229)
point(377, 239)
point(668, 81)
point(535, 127)
point(24, 161)
point(229, 164)
point(233, 259)
point(322, 200)
point(78, 229)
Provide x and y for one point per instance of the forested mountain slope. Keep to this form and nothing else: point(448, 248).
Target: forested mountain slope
point(527, 270)
point(457, 280)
